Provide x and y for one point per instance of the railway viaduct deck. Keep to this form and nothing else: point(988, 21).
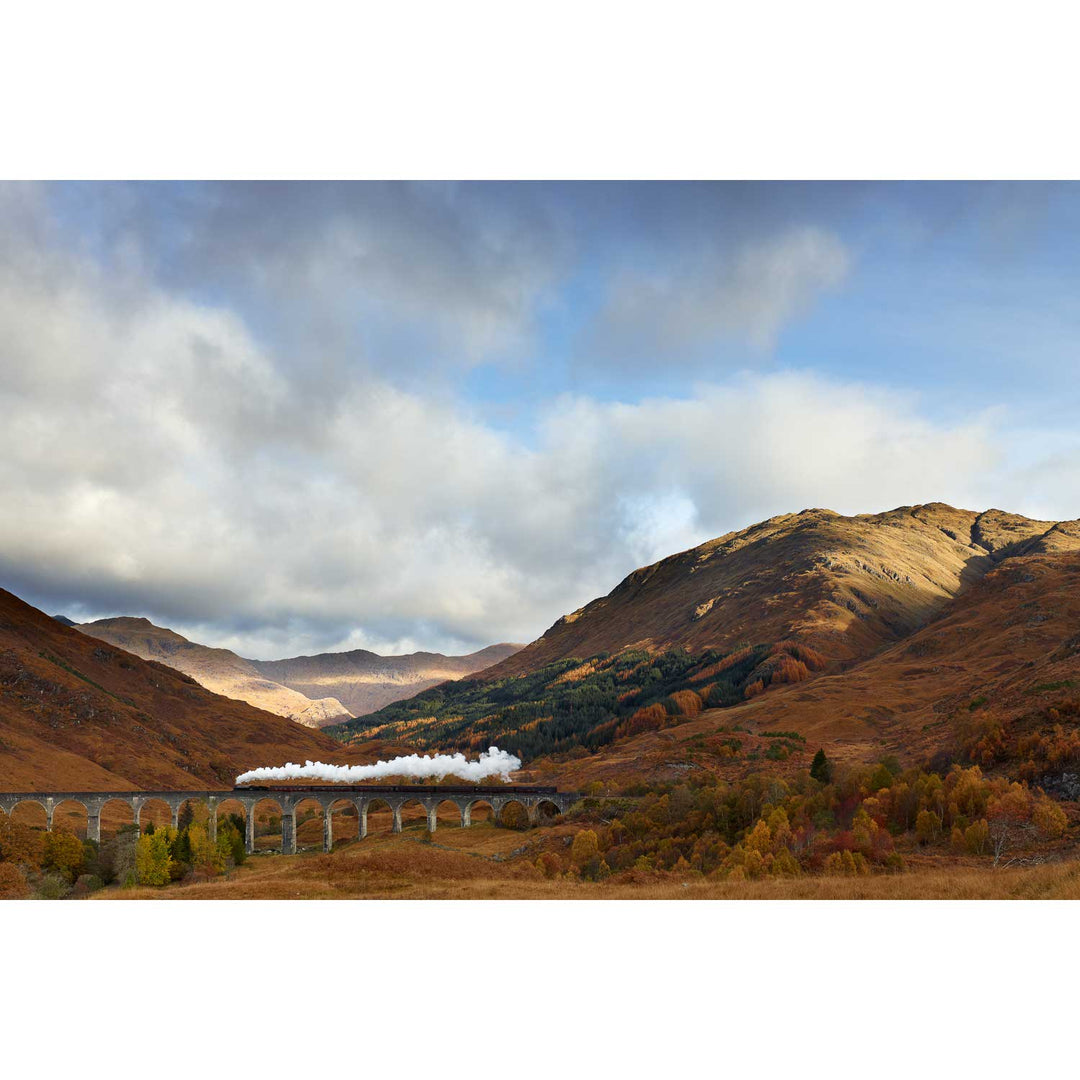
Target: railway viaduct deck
point(288, 798)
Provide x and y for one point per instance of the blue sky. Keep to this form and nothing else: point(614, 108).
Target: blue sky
point(291, 417)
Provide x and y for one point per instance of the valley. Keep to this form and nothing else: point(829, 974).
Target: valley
point(878, 705)
point(312, 690)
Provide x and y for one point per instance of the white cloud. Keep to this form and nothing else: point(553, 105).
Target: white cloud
point(157, 459)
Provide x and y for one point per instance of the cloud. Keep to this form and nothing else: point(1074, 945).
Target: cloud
point(396, 274)
point(158, 457)
point(743, 293)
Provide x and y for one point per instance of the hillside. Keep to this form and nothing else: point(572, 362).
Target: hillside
point(77, 713)
point(218, 670)
point(313, 690)
point(845, 586)
point(923, 630)
point(365, 681)
point(994, 680)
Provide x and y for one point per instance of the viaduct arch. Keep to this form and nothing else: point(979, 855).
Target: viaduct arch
point(288, 799)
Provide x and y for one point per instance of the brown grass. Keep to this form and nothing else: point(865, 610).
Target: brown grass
point(485, 862)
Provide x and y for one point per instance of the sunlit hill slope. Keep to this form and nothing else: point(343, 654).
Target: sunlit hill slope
point(919, 631)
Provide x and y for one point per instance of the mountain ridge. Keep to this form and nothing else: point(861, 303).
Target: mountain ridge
point(918, 631)
point(846, 585)
point(316, 691)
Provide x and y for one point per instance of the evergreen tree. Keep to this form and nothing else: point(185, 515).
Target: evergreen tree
point(820, 769)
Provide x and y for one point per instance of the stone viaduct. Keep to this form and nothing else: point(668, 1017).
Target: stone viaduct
point(395, 798)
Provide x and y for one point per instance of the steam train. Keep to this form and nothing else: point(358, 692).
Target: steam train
point(405, 789)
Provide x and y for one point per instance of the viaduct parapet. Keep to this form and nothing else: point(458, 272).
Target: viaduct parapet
point(287, 799)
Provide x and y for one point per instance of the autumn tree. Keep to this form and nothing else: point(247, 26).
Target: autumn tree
point(1006, 815)
point(19, 843)
point(230, 840)
point(12, 882)
point(514, 816)
point(549, 864)
point(63, 853)
point(1049, 818)
point(585, 847)
point(927, 826)
point(185, 818)
point(206, 857)
point(152, 859)
point(686, 702)
point(977, 837)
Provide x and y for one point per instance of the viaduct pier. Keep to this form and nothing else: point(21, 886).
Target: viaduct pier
point(534, 800)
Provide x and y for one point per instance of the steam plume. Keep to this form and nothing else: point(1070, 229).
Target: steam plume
point(492, 762)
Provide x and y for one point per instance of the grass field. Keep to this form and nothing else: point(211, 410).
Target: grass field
point(485, 862)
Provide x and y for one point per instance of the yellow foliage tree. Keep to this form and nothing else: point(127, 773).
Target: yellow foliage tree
point(152, 858)
point(63, 852)
point(977, 837)
point(206, 857)
point(927, 826)
point(585, 847)
point(780, 828)
point(1049, 818)
point(760, 839)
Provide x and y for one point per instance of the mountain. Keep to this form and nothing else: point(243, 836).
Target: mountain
point(217, 669)
point(365, 681)
point(919, 631)
point(80, 714)
point(992, 679)
point(312, 690)
point(845, 586)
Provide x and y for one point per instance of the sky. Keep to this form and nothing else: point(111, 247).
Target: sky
point(289, 418)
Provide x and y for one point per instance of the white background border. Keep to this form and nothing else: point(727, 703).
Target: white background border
point(502, 90)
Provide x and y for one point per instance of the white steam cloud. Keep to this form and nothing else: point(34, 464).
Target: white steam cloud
point(492, 762)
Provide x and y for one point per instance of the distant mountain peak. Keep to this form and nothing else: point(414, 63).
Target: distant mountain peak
point(319, 690)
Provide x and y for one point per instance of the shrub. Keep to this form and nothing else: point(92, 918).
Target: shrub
point(53, 887)
point(549, 864)
point(12, 882)
point(19, 843)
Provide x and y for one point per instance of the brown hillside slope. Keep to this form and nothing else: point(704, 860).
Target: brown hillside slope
point(80, 714)
point(219, 670)
point(313, 690)
point(365, 681)
point(845, 585)
point(1004, 652)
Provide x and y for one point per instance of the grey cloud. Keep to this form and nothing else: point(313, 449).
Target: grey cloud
point(399, 274)
point(158, 458)
point(746, 294)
